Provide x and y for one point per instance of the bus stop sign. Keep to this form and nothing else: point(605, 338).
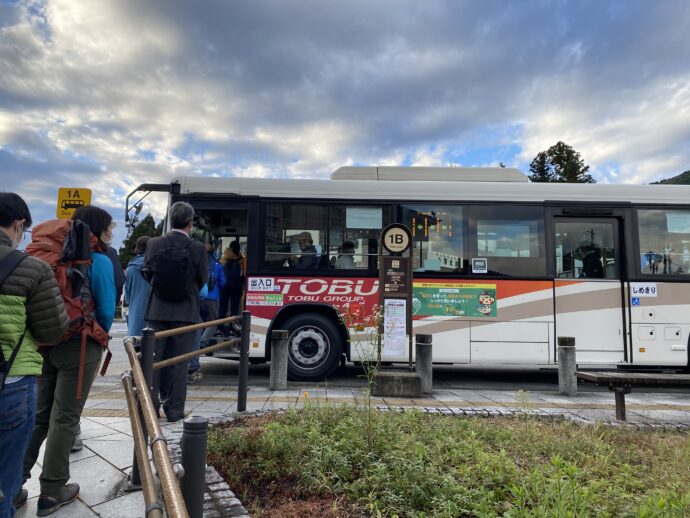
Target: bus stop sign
point(396, 238)
point(70, 199)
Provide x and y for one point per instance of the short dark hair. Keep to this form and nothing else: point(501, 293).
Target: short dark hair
point(140, 246)
point(235, 247)
point(181, 214)
point(96, 218)
point(13, 208)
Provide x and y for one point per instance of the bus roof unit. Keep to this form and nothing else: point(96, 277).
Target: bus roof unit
point(430, 174)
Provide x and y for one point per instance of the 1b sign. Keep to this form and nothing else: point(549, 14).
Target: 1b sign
point(70, 199)
point(396, 238)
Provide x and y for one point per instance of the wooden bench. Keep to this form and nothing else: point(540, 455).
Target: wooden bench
point(622, 382)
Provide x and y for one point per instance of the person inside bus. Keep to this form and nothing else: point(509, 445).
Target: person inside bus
point(308, 258)
point(232, 293)
point(591, 262)
point(345, 259)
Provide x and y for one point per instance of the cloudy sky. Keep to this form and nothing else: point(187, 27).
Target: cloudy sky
point(111, 94)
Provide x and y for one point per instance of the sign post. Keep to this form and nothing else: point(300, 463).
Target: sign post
point(395, 293)
point(70, 199)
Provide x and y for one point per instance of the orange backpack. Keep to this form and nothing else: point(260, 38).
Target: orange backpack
point(66, 245)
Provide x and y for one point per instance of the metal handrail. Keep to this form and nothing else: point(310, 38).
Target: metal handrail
point(153, 506)
point(188, 356)
point(195, 327)
point(179, 501)
point(172, 495)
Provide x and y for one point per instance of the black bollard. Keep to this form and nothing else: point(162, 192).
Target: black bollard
point(148, 344)
point(193, 446)
point(244, 362)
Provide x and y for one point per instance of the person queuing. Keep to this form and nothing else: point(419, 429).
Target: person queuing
point(209, 309)
point(32, 313)
point(136, 289)
point(66, 379)
point(234, 280)
point(78, 444)
point(177, 268)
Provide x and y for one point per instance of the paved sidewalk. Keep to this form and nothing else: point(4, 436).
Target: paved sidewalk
point(101, 467)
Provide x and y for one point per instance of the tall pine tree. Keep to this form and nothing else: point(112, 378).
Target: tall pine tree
point(560, 163)
point(540, 169)
point(147, 227)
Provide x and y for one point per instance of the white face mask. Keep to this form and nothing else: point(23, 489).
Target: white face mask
point(18, 236)
point(107, 235)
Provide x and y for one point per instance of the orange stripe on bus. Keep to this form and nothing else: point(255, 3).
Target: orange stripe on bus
point(507, 289)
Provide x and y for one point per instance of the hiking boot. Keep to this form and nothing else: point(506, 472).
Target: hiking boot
point(77, 443)
point(49, 504)
point(194, 377)
point(20, 498)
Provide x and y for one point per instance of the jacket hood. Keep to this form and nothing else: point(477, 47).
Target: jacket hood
point(136, 261)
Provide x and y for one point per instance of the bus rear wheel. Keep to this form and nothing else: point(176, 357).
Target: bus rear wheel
point(314, 347)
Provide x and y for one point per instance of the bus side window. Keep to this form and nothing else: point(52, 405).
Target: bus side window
point(353, 232)
point(295, 235)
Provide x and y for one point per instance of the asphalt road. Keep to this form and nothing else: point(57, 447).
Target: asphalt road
point(220, 372)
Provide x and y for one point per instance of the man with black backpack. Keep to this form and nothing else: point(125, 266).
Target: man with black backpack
point(177, 269)
point(32, 313)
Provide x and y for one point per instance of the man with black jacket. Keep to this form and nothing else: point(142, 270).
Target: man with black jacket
point(174, 301)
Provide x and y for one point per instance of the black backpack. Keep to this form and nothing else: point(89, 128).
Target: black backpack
point(172, 273)
point(7, 266)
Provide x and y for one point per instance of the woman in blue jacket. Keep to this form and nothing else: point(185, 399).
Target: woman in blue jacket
point(60, 403)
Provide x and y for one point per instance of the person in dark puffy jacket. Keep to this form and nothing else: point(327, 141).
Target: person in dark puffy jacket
point(30, 306)
point(118, 271)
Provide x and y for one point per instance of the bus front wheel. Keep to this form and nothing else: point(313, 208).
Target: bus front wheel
point(314, 347)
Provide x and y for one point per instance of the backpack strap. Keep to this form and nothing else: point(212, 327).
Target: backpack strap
point(9, 263)
point(7, 266)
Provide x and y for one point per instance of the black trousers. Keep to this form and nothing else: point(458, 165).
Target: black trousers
point(172, 380)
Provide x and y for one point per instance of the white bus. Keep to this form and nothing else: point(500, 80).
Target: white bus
point(502, 267)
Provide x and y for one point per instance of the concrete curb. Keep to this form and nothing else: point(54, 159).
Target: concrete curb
point(219, 500)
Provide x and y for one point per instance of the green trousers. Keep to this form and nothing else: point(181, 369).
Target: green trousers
point(58, 410)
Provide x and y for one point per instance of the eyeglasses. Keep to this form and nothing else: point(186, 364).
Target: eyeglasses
point(24, 230)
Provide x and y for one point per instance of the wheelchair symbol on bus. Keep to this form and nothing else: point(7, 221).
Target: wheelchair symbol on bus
point(636, 301)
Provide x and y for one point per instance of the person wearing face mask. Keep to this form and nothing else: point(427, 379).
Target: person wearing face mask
point(69, 369)
point(78, 443)
point(31, 313)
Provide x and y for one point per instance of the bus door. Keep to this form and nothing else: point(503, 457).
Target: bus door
point(588, 289)
point(227, 221)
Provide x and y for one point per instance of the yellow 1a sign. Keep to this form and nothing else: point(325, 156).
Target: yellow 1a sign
point(70, 199)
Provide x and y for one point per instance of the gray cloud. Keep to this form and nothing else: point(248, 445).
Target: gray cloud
point(117, 93)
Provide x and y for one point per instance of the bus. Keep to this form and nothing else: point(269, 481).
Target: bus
point(71, 204)
point(502, 266)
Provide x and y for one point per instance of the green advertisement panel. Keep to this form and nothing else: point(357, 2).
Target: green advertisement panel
point(454, 299)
